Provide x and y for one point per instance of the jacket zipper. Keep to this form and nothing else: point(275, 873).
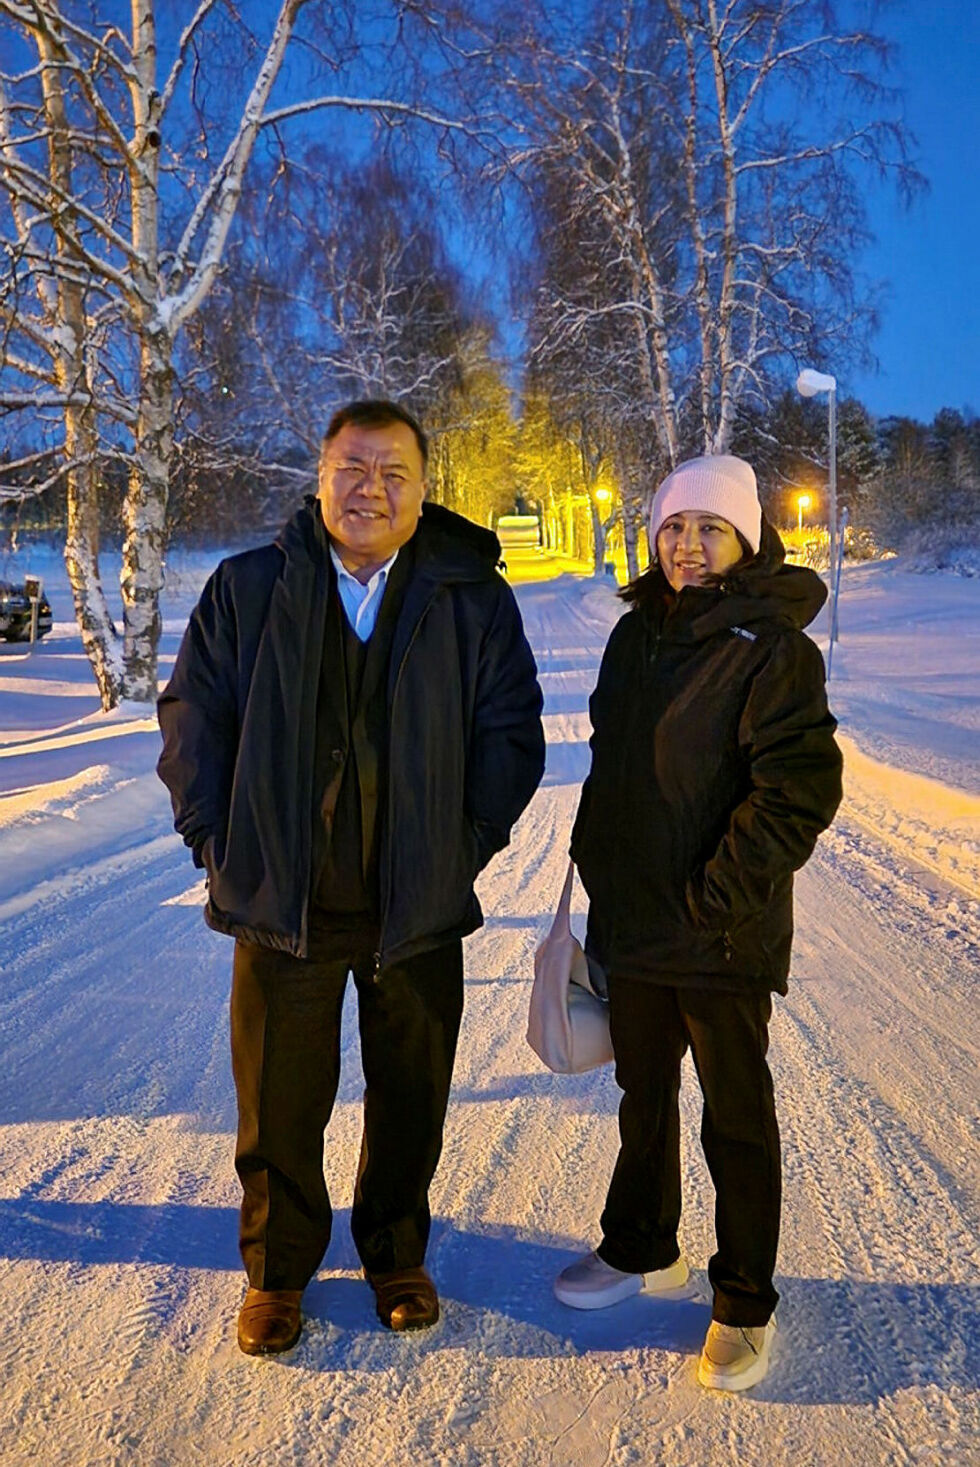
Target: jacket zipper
point(655, 649)
point(323, 588)
point(386, 896)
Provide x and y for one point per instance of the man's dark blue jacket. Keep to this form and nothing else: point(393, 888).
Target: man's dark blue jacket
point(466, 747)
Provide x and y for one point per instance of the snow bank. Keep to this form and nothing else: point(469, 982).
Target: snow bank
point(934, 825)
point(953, 546)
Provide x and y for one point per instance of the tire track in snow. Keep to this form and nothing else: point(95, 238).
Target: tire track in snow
point(892, 964)
point(875, 1296)
point(99, 1014)
point(895, 1219)
point(72, 884)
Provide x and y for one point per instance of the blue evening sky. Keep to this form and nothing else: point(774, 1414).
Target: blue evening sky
point(929, 343)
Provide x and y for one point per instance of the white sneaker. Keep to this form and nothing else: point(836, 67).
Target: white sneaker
point(735, 1357)
point(592, 1283)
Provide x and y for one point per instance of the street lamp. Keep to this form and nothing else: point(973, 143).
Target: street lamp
point(808, 384)
point(802, 503)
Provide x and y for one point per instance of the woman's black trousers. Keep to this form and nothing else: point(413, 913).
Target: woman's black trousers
point(652, 1027)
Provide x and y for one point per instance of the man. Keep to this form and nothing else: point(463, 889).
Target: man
point(351, 729)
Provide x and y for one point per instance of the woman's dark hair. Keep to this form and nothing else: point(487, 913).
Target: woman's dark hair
point(376, 412)
point(650, 584)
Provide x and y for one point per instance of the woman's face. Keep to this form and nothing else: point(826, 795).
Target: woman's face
point(692, 546)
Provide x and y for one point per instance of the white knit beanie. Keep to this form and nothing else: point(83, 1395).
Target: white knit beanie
point(717, 484)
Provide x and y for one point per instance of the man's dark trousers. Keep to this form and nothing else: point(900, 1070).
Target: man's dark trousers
point(285, 1031)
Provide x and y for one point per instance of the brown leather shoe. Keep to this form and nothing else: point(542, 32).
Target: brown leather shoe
point(406, 1298)
point(269, 1321)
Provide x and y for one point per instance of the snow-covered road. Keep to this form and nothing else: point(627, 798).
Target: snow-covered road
point(118, 1262)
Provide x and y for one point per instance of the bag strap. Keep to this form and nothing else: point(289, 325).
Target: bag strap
point(562, 925)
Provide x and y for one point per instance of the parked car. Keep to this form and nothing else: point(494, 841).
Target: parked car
point(15, 612)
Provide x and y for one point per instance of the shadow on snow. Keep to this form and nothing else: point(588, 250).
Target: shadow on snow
point(852, 1342)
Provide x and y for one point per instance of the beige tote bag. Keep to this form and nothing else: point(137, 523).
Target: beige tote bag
point(567, 1023)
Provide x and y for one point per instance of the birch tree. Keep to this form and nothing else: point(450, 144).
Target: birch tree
point(712, 152)
point(363, 301)
point(589, 358)
point(121, 197)
point(784, 113)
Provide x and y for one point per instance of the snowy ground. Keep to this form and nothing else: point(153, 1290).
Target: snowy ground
point(118, 1263)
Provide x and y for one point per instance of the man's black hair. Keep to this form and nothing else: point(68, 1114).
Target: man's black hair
point(376, 412)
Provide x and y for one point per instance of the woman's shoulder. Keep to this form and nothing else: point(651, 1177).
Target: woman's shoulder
point(789, 658)
point(630, 629)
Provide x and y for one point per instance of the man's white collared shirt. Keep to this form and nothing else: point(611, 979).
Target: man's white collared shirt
point(361, 600)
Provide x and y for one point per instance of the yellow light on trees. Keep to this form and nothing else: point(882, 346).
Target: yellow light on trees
point(603, 496)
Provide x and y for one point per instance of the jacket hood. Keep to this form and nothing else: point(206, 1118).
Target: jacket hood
point(446, 544)
point(768, 587)
point(765, 590)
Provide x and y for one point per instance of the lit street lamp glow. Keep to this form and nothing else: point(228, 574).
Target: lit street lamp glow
point(802, 503)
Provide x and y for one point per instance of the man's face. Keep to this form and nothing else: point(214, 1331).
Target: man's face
point(371, 488)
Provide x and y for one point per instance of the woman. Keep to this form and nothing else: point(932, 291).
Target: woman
point(714, 770)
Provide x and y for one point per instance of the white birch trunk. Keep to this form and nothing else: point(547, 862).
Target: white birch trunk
point(145, 520)
point(630, 539)
point(145, 507)
point(81, 435)
point(150, 307)
point(82, 556)
point(662, 399)
point(701, 289)
point(729, 248)
point(598, 539)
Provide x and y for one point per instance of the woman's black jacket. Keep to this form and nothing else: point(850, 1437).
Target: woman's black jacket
point(714, 770)
point(466, 748)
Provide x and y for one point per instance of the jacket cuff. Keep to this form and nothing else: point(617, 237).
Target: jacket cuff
point(197, 844)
